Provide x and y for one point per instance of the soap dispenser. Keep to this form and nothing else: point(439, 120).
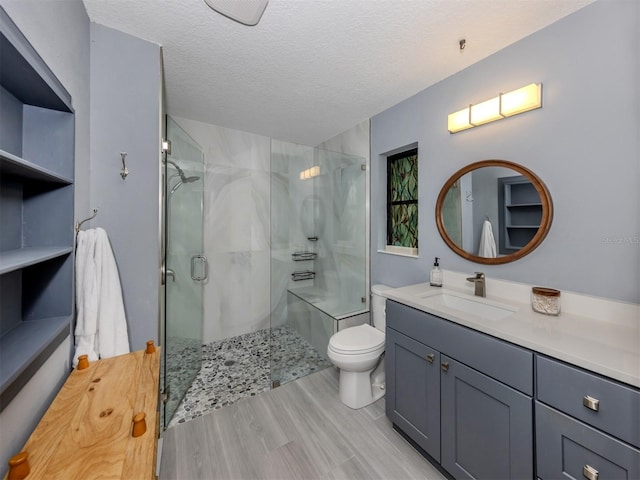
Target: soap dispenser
point(435, 277)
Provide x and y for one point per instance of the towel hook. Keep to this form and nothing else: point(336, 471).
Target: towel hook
point(125, 171)
point(79, 224)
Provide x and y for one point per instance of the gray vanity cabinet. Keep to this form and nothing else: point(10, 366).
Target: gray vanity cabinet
point(567, 448)
point(586, 425)
point(413, 390)
point(487, 426)
point(475, 404)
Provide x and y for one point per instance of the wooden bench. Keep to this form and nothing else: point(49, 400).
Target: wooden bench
point(87, 431)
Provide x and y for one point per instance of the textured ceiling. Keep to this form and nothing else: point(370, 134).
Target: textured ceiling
point(311, 69)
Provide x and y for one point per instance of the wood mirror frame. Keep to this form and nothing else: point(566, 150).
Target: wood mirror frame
point(545, 223)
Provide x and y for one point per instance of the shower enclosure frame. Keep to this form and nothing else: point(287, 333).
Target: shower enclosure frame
point(175, 372)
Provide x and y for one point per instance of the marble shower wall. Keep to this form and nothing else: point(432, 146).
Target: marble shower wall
point(236, 229)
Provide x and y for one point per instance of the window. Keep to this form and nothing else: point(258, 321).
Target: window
point(402, 199)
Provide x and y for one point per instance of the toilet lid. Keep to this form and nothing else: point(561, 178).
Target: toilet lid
point(360, 339)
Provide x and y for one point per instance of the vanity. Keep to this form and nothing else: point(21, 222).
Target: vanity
point(490, 389)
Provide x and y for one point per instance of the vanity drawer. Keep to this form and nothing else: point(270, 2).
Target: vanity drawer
point(496, 358)
point(567, 448)
point(597, 401)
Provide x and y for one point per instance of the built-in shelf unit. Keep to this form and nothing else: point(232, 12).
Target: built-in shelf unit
point(36, 211)
point(520, 210)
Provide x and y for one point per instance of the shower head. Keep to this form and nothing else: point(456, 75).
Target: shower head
point(183, 177)
point(176, 166)
point(182, 181)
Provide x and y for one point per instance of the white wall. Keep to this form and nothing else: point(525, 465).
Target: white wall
point(59, 31)
point(583, 144)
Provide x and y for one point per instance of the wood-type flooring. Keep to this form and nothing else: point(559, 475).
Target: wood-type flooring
point(300, 430)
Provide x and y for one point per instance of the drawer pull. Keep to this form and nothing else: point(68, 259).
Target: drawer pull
point(591, 403)
point(589, 472)
point(445, 366)
point(430, 357)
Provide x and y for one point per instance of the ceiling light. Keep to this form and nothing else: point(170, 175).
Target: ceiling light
point(247, 12)
point(504, 105)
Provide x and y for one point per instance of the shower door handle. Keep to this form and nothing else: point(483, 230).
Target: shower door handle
point(204, 268)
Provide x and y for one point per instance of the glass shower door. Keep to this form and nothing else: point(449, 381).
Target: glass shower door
point(185, 267)
point(318, 254)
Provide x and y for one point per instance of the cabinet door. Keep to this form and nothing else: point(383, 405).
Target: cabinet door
point(413, 390)
point(567, 448)
point(487, 427)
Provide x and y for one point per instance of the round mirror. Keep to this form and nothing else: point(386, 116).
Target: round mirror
point(494, 212)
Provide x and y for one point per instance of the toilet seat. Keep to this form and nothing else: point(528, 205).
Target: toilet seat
point(357, 340)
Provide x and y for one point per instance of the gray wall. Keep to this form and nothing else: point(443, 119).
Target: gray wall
point(583, 143)
point(125, 107)
point(59, 31)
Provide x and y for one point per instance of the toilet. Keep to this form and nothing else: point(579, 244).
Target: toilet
point(357, 352)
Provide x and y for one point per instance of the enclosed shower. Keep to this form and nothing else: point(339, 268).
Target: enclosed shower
point(265, 258)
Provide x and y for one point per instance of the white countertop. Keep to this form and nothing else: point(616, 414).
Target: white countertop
point(605, 346)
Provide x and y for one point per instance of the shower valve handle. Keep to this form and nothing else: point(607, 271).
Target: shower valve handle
point(167, 272)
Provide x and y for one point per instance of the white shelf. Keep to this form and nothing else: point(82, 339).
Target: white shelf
point(23, 257)
point(12, 165)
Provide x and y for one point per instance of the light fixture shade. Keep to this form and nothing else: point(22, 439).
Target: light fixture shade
point(504, 105)
point(485, 112)
point(522, 100)
point(247, 12)
point(459, 121)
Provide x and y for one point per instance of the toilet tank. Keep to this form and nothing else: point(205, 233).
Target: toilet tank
point(378, 306)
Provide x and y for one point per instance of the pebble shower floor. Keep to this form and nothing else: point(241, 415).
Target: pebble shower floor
point(239, 367)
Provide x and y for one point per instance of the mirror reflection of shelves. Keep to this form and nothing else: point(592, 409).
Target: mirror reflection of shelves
point(520, 210)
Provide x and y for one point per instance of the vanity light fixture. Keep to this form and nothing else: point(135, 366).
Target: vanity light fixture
point(504, 105)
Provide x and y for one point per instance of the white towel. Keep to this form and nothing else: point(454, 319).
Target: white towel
point(86, 297)
point(487, 243)
point(101, 326)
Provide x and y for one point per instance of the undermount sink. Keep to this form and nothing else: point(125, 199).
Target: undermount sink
point(477, 306)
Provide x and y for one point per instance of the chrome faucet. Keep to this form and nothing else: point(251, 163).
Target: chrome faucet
point(479, 282)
